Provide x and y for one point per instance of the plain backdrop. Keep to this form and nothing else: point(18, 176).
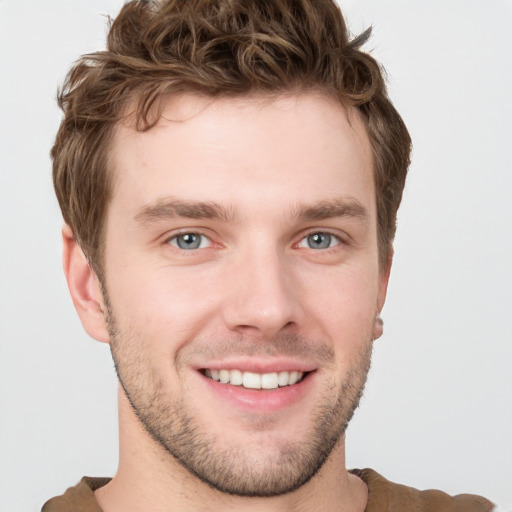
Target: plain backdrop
point(437, 412)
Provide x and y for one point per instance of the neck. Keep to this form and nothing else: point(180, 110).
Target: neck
point(149, 478)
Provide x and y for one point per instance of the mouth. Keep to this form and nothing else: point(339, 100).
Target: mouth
point(251, 380)
point(258, 387)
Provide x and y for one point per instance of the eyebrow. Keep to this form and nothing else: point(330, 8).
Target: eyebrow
point(331, 209)
point(176, 208)
point(165, 209)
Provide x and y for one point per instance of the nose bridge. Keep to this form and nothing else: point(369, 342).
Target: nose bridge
point(262, 297)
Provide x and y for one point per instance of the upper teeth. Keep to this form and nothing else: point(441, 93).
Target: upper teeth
point(255, 380)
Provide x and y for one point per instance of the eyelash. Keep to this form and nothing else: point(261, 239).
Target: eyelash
point(304, 239)
point(176, 237)
point(331, 237)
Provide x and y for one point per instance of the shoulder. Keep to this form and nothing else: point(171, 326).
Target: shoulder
point(384, 496)
point(79, 498)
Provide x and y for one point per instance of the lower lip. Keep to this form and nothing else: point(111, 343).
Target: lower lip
point(260, 400)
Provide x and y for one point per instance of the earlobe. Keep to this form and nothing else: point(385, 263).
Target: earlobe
point(378, 328)
point(84, 287)
point(381, 298)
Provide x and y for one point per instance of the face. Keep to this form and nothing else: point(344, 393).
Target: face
point(242, 283)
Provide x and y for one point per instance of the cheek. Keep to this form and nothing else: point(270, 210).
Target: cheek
point(348, 294)
point(164, 307)
point(344, 306)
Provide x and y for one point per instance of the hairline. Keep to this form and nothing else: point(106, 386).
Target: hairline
point(129, 118)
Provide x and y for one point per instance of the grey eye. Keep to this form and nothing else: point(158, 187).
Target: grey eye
point(189, 241)
point(319, 240)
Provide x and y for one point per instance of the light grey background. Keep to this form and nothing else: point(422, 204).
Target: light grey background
point(438, 408)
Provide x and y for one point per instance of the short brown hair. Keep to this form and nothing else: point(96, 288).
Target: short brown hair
point(217, 48)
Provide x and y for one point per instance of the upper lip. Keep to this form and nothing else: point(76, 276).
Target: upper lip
point(253, 365)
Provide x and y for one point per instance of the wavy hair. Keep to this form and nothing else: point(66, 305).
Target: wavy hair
point(218, 48)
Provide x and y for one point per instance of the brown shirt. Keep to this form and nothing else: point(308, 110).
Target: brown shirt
point(383, 496)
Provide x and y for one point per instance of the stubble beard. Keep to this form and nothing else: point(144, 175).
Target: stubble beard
point(170, 422)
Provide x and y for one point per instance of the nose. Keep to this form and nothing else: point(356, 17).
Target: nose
point(262, 296)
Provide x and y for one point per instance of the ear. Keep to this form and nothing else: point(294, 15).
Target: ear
point(381, 296)
point(84, 287)
point(383, 281)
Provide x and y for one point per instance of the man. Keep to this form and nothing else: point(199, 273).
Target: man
point(229, 174)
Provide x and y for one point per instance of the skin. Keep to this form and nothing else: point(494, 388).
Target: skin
point(256, 292)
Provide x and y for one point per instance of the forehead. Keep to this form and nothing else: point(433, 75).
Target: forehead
point(246, 150)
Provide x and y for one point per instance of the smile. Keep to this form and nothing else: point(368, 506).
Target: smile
point(250, 380)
